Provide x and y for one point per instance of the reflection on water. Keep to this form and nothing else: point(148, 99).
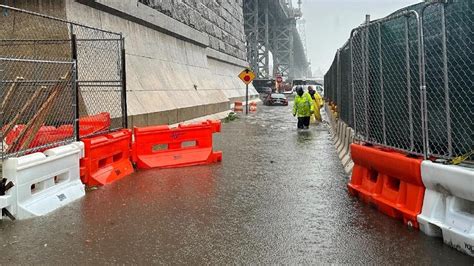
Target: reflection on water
point(279, 196)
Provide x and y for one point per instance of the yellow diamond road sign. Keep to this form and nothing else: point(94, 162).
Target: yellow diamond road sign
point(247, 76)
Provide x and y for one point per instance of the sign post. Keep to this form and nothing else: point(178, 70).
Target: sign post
point(247, 76)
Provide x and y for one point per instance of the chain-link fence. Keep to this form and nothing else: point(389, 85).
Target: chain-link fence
point(449, 66)
point(411, 80)
point(100, 63)
point(37, 105)
point(33, 48)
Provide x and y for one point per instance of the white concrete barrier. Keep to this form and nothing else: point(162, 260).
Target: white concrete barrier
point(335, 132)
point(43, 182)
point(345, 153)
point(448, 206)
point(344, 146)
point(340, 134)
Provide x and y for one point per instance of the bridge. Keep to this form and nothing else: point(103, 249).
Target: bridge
point(273, 39)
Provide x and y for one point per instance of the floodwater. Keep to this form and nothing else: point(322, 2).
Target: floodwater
point(279, 196)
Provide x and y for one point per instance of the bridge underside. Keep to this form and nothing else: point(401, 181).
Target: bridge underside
point(271, 33)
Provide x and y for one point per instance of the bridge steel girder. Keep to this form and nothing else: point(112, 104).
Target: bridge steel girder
point(270, 28)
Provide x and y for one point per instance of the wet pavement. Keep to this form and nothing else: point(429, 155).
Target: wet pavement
point(279, 196)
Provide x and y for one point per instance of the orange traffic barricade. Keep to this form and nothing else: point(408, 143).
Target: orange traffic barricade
point(106, 158)
point(253, 106)
point(389, 180)
point(165, 147)
point(94, 123)
point(238, 107)
point(50, 134)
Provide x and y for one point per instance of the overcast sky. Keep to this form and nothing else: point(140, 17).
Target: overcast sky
point(329, 22)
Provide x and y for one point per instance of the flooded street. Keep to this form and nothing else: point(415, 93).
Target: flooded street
point(279, 196)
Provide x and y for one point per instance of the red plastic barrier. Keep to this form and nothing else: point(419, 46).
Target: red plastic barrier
point(389, 180)
point(238, 107)
point(107, 158)
point(45, 135)
point(49, 134)
point(253, 107)
point(95, 123)
point(164, 147)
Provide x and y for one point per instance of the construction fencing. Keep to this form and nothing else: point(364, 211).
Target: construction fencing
point(60, 81)
point(406, 81)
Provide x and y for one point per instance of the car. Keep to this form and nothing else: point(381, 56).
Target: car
point(276, 99)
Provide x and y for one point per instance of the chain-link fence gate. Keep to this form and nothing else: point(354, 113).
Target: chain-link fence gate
point(449, 74)
point(386, 83)
point(35, 51)
point(37, 106)
point(411, 80)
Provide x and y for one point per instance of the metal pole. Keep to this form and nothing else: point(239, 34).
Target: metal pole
point(246, 99)
point(124, 87)
point(384, 132)
point(366, 76)
point(421, 63)
point(75, 85)
point(352, 83)
point(446, 82)
point(407, 64)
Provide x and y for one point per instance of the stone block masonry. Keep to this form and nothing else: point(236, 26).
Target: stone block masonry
point(222, 20)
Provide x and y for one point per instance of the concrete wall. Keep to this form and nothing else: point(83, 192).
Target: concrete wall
point(173, 74)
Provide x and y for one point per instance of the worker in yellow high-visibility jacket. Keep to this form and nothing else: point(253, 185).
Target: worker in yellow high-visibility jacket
point(303, 107)
point(318, 103)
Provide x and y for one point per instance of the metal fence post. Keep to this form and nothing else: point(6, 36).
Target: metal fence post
point(421, 61)
point(366, 75)
point(352, 82)
point(381, 83)
point(338, 82)
point(446, 81)
point(75, 85)
point(408, 70)
point(124, 85)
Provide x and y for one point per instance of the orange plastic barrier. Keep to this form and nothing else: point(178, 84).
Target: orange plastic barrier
point(45, 135)
point(253, 106)
point(107, 158)
point(49, 134)
point(389, 180)
point(95, 123)
point(165, 147)
point(238, 107)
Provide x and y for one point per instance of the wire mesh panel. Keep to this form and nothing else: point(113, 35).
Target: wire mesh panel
point(448, 47)
point(386, 91)
point(345, 86)
point(98, 53)
point(37, 105)
point(99, 64)
point(359, 86)
point(412, 80)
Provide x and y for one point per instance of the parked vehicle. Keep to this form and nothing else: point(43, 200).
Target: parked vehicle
point(276, 99)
